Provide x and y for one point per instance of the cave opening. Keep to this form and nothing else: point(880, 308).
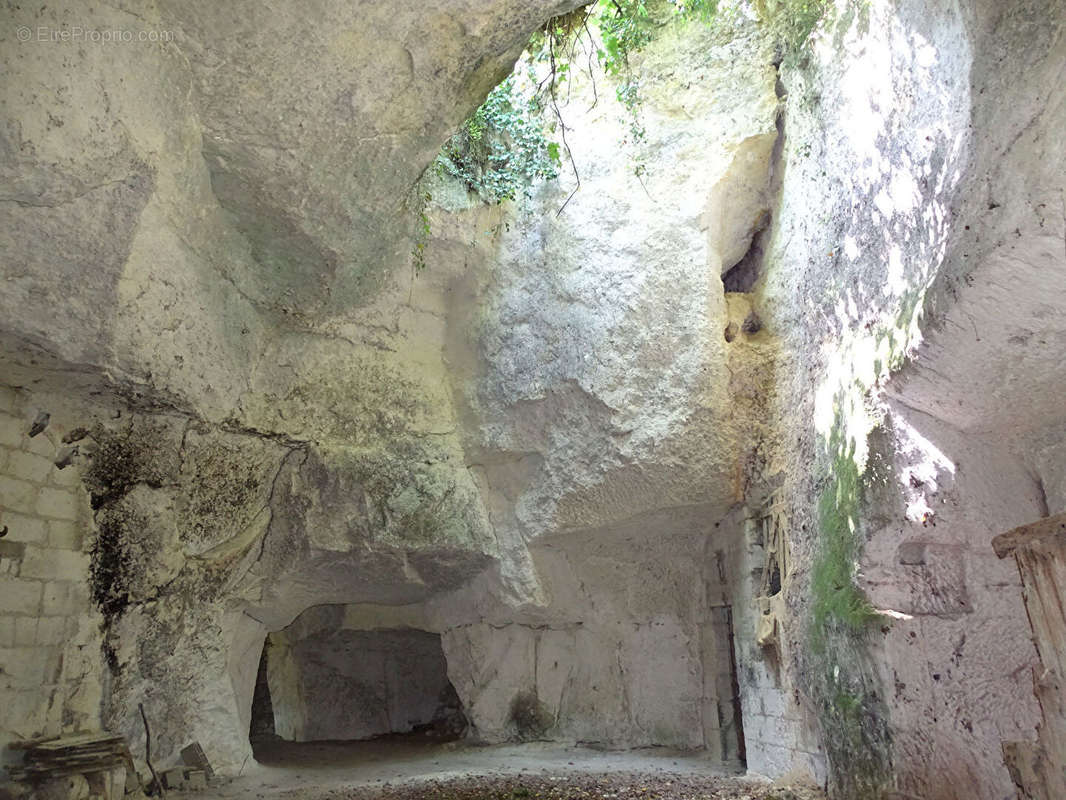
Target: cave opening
point(319, 681)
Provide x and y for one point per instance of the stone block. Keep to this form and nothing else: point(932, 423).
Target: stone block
point(24, 709)
point(195, 780)
point(21, 528)
point(57, 600)
point(194, 756)
point(12, 430)
point(68, 477)
point(79, 596)
point(774, 703)
point(8, 399)
point(7, 631)
point(29, 466)
point(174, 779)
point(28, 666)
point(51, 630)
point(25, 631)
point(40, 445)
point(55, 565)
point(19, 596)
point(64, 534)
point(12, 551)
point(57, 503)
point(17, 495)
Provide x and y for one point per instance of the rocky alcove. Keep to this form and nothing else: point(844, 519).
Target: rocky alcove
point(553, 392)
point(320, 680)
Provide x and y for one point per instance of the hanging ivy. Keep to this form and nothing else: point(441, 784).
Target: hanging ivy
point(502, 150)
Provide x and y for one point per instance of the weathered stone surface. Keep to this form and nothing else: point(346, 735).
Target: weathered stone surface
point(217, 168)
point(888, 207)
point(556, 447)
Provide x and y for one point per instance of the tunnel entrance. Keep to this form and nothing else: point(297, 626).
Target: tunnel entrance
point(320, 681)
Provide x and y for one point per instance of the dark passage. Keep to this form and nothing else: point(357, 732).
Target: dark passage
point(262, 727)
point(327, 683)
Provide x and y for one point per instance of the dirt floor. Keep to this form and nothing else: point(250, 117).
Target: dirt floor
point(404, 769)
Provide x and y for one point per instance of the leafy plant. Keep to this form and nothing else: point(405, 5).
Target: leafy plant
point(502, 149)
point(623, 26)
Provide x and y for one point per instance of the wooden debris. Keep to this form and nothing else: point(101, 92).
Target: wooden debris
point(194, 756)
point(148, 753)
point(1047, 529)
point(1038, 768)
point(70, 755)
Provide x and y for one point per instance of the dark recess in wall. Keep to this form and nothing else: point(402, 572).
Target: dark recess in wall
point(743, 275)
point(262, 725)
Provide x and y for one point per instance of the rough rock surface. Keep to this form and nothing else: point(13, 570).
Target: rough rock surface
point(564, 447)
point(938, 200)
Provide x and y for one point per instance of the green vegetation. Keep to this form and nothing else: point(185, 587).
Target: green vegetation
point(509, 143)
point(852, 716)
point(837, 601)
point(502, 149)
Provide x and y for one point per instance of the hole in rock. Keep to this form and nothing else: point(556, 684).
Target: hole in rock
point(335, 684)
point(743, 275)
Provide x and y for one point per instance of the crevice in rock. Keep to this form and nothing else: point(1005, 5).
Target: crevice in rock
point(743, 275)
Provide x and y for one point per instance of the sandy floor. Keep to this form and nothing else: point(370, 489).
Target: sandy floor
point(408, 769)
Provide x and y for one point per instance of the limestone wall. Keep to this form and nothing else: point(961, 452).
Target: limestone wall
point(50, 658)
point(913, 208)
point(953, 669)
point(558, 444)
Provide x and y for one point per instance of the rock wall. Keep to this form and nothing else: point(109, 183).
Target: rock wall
point(626, 458)
point(911, 206)
point(187, 309)
point(612, 399)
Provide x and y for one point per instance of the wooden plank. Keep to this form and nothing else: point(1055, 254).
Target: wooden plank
point(38, 755)
point(27, 744)
point(1048, 528)
point(1039, 549)
point(25, 773)
point(46, 754)
point(79, 740)
point(72, 759)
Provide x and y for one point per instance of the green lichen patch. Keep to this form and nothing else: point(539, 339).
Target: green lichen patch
point(852, 714)
point(837, 601)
